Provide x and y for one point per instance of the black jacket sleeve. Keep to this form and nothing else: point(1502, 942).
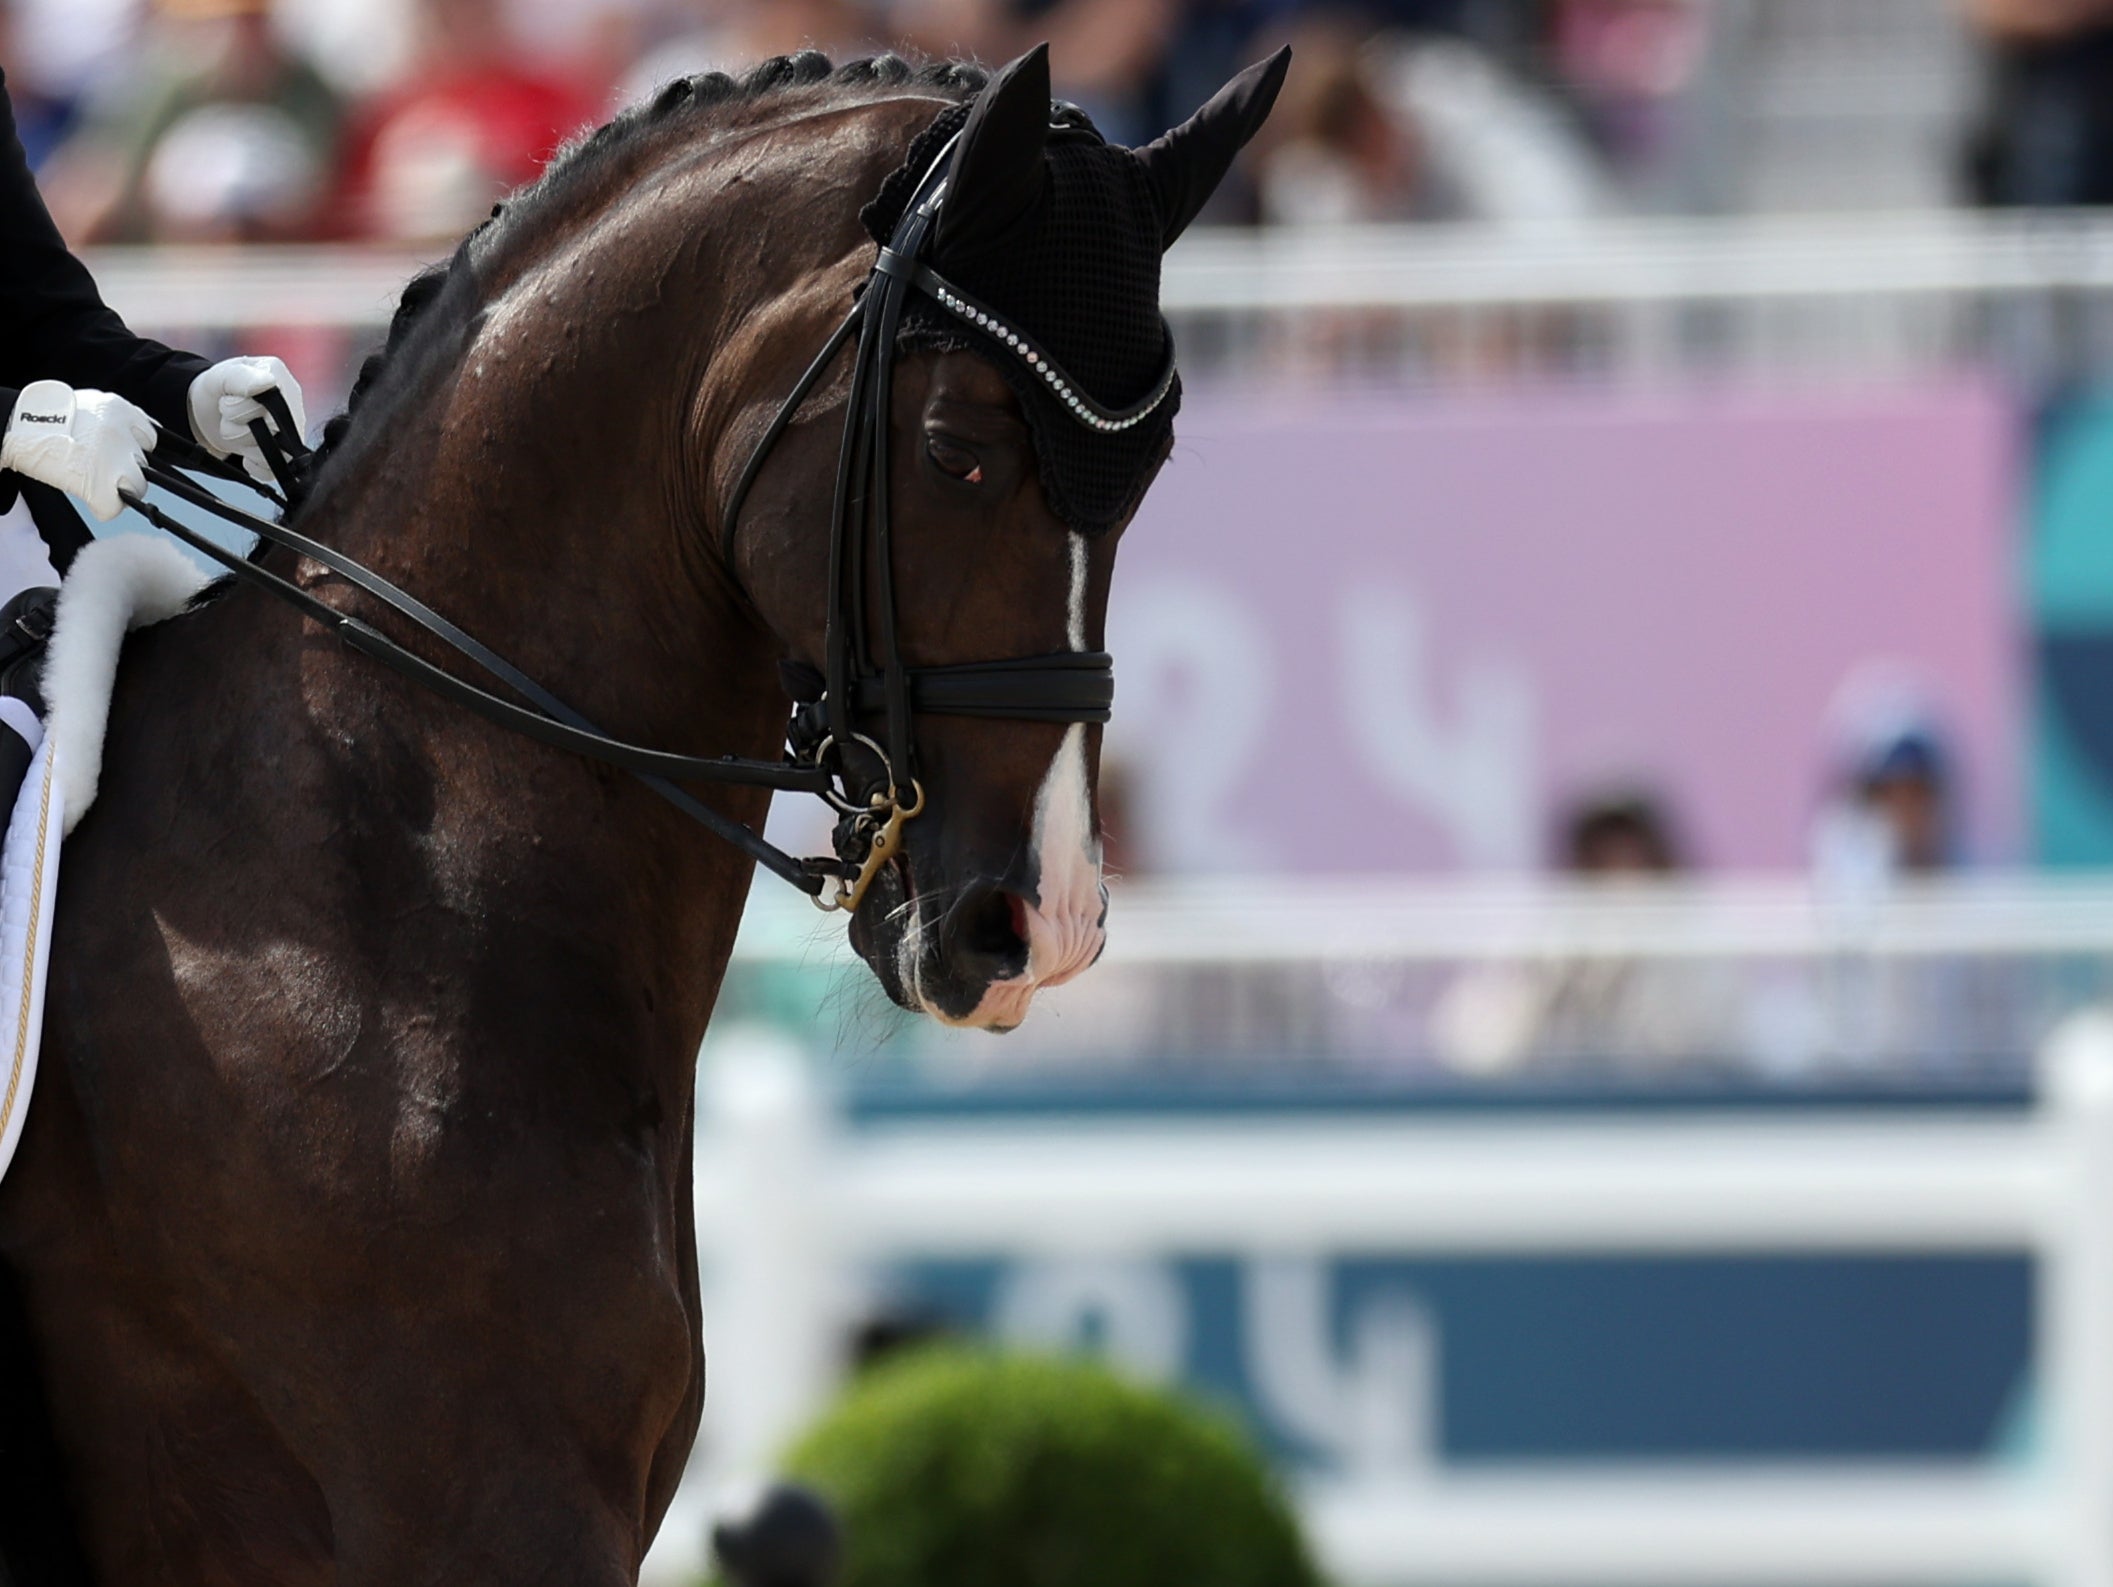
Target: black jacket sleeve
point(53, 323)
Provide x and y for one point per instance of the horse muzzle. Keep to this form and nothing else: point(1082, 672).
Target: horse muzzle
point(979, 961)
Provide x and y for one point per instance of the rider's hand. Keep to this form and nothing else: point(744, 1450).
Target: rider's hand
point(223, 402)
point(87, 442)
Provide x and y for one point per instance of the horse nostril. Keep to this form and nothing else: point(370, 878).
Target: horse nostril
point(991, 923)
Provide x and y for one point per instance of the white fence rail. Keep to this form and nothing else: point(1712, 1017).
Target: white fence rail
point(790, 1207)
point(1243, 921)
point(1238, 271)
point(1949, 982)
point(1860, 296)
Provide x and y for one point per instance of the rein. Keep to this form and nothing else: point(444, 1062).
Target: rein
point(832, 701)
point(550, 722)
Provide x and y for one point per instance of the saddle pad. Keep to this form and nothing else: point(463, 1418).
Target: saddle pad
point(116, 584)
point(29, 880)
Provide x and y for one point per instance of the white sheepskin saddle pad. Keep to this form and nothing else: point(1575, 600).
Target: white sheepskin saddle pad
point(114, 586)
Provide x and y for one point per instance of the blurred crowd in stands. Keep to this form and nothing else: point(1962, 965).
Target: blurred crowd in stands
point(1601, 1009)
point(402, 120)
point(1886, 817)
point(206, 120)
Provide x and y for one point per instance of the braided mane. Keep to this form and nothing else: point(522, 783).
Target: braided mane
point(702, 100)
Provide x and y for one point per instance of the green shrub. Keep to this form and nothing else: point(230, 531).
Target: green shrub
point(960, 1468)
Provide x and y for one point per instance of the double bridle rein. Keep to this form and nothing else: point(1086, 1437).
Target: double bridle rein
point(862, 675)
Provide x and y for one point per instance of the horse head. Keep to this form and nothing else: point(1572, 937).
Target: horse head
point(1028, 411)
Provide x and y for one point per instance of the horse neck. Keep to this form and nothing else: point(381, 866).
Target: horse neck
point(547, 482)
point(537, 500)
point(536, 496)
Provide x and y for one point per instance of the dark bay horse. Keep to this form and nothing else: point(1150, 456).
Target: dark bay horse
point(352, 1225)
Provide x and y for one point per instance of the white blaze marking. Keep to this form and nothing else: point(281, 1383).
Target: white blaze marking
point(1067, 854)
point(1075, 627)
point(1064, 920)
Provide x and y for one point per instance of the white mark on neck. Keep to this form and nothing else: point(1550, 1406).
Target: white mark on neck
point(1075, 627)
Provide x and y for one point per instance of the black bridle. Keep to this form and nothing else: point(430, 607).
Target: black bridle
point(862, 674)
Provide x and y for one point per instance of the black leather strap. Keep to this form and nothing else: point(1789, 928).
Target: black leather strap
point(777, 427)
point(278, 441)
point(1070, 686)
point(1067, 686)
point(558, 724)
point(568, 729)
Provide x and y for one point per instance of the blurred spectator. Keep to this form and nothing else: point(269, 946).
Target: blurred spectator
point(2046, 134)
point(595, 41)
point(731, 35)
point(1604, 1013)
point(361, 46)
point(1888, 810)
point(217, 133)
point(1397, 126)
point(1889, 821)
point(1624, 834)
point(1630, 66)
point(68, 44)
point(42, 115)
point(1334, 152)
point(472, 120)
point(1108, 55)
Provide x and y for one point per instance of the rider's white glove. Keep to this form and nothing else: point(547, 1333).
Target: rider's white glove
point(223, 402)
point(87, 442)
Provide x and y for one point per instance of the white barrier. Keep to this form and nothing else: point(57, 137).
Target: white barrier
point(1940, 252)
point(789, 1207)
point(1249, 921)
point(1866, 295)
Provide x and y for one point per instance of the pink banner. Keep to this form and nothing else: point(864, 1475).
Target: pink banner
point(1387, 634)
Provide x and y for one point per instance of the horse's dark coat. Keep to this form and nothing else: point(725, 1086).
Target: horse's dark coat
point(353, 1219)
point(38, 1544)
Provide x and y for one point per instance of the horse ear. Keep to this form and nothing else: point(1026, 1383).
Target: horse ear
point(998, 176)
point(1187, 164)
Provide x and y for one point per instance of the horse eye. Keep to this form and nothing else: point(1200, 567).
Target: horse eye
point(952, 460)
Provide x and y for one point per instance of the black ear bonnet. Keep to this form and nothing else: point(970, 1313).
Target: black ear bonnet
point(1054, 236)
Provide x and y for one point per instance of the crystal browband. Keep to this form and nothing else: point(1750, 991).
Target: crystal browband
point(1061, 386)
